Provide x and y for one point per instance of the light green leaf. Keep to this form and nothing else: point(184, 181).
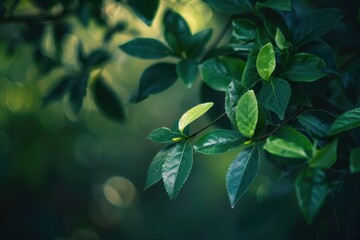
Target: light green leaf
point(155, 168)
point(247, 114)
point(163, 135)
point(146, 48)
point(219, 141)
point(346, 121)
point(355, 160)
point(242, 173)
point(177, 167)
point(289, 143)
point(316, 122)
point(275, 95)
point(193, 114)
point(311, 189)
point(265, 61)
point(280, 40)
point(325, 157)
point(304, 67)
point(187, 70)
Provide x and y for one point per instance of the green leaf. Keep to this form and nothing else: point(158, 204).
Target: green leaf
point(145, 9)
point(233, 94)
point(163, 135)
point(250, 75)
point(280, 40)
point(219, 141)
point(193, 114)
point(346, 121)
point(275, 95)
point(107, 100)
point(177, 167)
point(316, 24)
point(247, 114)
point(78, 92)
point(98, 58)
point(282, 5)
point(154, 172)
point(316, 122)
point(304, 67)
point(311, 189)
point(298, 95)
point(242, 173)
point(243, 31)
point(188, 71)
point(265, 61)
point(146, 48)
point(155, 79)
point(289, 143)
point(355, 160)
point(60, 90)
point(325, 157)
point(198, 43)
point(177, 32)
point(231, 6)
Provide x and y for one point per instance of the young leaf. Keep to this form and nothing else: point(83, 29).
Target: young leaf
point(250, 75)
point(289, 143)
point(188, 71)
point(346, 121)
point(155, 168)
point(145, 9)
point(316, 24)
point(316, 122)
point(107, 100)
point(242, 173)
point(163, 135)
point(325, 157)
point(275, 95)
point(247, 114)
point(355, 160)
point(193, 114)
point(231, 6)
point(304, 67)
point(146, 48)
point(280, 40)
point(311, 189)
point(219, 141)
point(176, 168)
point(155, 79)
point(233, 94)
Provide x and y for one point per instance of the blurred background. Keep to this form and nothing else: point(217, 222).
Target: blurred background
point(65, 176)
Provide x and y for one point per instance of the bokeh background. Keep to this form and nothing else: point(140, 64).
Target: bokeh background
point(78, 177)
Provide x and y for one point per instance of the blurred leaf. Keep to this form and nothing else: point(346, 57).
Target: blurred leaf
point(289, 143)
point(98, 58)
point(119, 27)
point(231, 6)
point(265, 61)
point(243, 30)
point(298, 95)
point(145, 9)
point(316, 24)
point(177, 167)
point(273, 20)
point(78, 92)
point(325, 157)
point(304, 67)
point(311, 190)
point(275, 95)
point(250, 75)
point(82, 57)
point(282, 5)
point(316, 121)
point(44, 63)
point(346, 121)
point(60, 90)
point(247, 114)
point(163, 135)
point(355, 160)
point(107, 100)
point(155, 168)
point(2, 9)
point(146, 48)
point(350, 81)
point(193, 114)
point(242, 173)
point(198, 42)
point(155, 79)
point(219, 141)
point(188, 71)
point(233, 94)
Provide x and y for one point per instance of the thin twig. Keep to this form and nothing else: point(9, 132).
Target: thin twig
point(207, 126)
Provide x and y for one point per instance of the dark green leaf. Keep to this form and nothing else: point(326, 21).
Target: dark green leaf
point(355, 160)
point(45, 64)
point(60, 90)
point(304, 67)
point(243, 31)
point(193, 114)
point(316, 122)
point(163, 135)
point(272, 20)
point(219, 141)
point(145, 9)
point(177, 167)
point(188, 71)
point(311, 190)
point(81, 54)
point(350, 81)
point(233, 94)
point(250, 75)
point(155, 79)
point(265, 61)
point(78, 92)
point(231, 6)
point(275, 95)
point(198, 42)
point(98, 58)
point(146, 48)
point(242, 173)
point(298, 95)
point(325, 157)
point(316, 24)
point(346, 121)
point(282, 5)
point(107, 100)
point(247, 114)
point(155, 168)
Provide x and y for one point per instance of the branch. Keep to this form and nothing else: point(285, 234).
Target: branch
point(207, 126)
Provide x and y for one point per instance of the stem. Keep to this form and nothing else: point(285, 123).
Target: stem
point(207, 126)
